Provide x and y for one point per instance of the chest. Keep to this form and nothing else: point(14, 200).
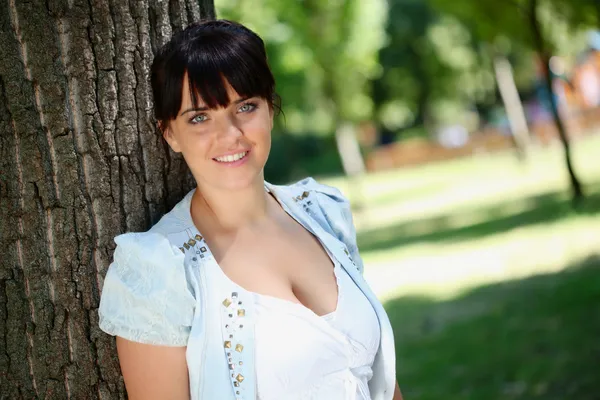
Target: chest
point(285, 261)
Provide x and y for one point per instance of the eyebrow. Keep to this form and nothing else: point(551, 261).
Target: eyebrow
point(238, 101)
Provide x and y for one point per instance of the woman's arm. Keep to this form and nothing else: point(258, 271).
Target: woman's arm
point(153, 372)
point(397, 393)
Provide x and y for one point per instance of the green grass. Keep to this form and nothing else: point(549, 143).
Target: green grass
point(535, 338)
point(490, 277)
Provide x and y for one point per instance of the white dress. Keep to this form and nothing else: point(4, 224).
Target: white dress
point(300, 355)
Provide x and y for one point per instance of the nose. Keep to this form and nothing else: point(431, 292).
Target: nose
point(229, 130)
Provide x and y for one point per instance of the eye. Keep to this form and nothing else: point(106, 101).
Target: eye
point(196, 119)
point(247, 107)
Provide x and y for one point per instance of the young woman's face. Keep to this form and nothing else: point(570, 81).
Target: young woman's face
point(225, 148)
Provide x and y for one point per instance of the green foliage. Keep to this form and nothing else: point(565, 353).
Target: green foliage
point(510, 21)
point(294, 157)
point(323, 54)
point(432, 62)
point(579, 13)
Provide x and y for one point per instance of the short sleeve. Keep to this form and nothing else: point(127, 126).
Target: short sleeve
point(145, 296)
point(338, 213)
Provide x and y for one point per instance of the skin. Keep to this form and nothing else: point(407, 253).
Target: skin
point(256, 243)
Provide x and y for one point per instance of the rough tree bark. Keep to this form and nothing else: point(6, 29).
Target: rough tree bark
point(80, 162)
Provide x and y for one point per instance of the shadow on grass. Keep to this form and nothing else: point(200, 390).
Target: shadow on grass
point(535, 338)
point(541, 209)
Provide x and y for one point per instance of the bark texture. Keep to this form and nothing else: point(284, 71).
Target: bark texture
point(80, 162)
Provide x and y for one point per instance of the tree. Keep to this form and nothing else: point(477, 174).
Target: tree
point(80, 162)
point(535, 25)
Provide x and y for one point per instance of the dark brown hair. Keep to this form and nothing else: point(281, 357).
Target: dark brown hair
point(212, 53)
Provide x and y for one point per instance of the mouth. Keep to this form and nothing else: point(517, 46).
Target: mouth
point(232, 158)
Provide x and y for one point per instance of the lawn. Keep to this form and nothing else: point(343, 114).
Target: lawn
point(490, 278)
point(535, 338)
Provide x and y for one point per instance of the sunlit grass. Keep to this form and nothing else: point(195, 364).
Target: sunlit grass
point(442, 228)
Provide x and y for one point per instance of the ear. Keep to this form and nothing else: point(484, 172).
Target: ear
point(170, 138)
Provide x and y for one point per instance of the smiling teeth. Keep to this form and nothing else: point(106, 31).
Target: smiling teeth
point(232, 157)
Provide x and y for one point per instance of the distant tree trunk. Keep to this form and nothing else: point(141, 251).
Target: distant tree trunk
point(352, 160)
point(545, 55)
point(80, 162)
point(513, 105)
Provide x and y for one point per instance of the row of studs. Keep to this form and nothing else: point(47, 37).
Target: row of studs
point(234, 314)
point(301, 197)
point(191, 243)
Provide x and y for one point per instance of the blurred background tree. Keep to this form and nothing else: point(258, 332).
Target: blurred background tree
point(539, 25)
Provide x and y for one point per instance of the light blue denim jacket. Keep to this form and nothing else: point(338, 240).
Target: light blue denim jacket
point(164, 287)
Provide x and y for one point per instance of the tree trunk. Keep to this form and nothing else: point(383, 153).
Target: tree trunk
point(352, 160)
point(545, 55)
point(513, 105)
point(80, 162)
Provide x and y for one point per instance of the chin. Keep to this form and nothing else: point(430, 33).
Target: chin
point(238, 179)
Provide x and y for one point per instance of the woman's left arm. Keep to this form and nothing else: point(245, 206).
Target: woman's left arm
point(397, 393)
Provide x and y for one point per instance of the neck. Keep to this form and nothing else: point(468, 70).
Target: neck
point(230, 210)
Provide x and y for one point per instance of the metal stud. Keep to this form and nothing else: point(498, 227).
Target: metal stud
point(239, 348)
point(227, 345)
point(234, 295)
point(241, 312)
point(227, 302)
point(182, 249)
point(241, 363)
point(203, 249)
point(305, 195)
point(198, 237)
point(236, 384)
point(191, 242)
point(239, 378)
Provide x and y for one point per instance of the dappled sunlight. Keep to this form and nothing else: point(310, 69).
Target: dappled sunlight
point(483, 182)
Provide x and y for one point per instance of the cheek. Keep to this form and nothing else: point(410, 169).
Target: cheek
point(258, 129)
point(196, 141)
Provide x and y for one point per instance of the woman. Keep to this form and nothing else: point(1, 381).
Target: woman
point(244, 290)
